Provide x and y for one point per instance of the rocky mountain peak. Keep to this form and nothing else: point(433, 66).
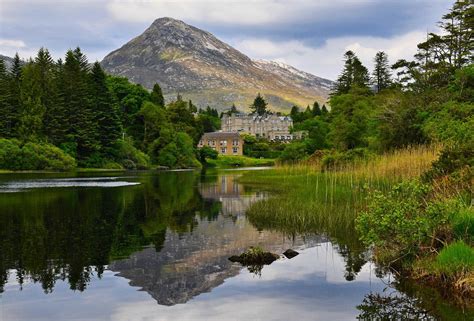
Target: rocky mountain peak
point(193, 62)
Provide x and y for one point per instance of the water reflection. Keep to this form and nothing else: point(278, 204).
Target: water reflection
point(169, 235)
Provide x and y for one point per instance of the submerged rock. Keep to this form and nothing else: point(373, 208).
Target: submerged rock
point(255, 256)
point(290, 253)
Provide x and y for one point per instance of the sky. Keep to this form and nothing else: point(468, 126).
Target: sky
point(311, 35)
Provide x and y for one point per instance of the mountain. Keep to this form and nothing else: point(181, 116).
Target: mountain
point(194, 63)
point(7, 60)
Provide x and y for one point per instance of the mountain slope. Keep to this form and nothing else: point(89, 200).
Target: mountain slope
point(186, 60)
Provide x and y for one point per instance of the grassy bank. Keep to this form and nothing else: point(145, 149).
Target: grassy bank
point(239, 161)
point(412, 226)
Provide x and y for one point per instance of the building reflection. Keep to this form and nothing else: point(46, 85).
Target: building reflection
point(192, 263)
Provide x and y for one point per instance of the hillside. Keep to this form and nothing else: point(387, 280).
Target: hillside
point(186, 60)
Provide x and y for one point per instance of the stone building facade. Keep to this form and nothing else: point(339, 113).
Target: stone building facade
point(224, 143)
point(269, 126)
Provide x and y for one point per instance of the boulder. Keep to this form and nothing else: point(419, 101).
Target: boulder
point(290, 253)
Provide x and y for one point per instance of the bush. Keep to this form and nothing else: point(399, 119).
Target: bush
point(293, 152)
point(179, 153)
point(207, 152)
point(128, 155)
point(33, 156)
point(336, 159)
point(405, 220)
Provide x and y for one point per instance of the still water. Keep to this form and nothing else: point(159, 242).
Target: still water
point(155, 246)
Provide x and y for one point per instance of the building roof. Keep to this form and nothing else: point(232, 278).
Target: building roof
point(221, 135)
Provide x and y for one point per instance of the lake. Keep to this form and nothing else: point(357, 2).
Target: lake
point(155, 246)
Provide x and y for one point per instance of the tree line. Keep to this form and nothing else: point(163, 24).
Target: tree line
point(428, 99)
point(74, 110)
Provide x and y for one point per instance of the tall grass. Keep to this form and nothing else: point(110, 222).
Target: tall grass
point(308, 200)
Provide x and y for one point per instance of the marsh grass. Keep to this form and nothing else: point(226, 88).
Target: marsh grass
point(308, 201)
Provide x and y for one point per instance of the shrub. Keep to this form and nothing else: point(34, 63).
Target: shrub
point(128, 154)
point(207, 152)
point(405, 219)
point(33, 156)
point(336, 159)
point(293, 152)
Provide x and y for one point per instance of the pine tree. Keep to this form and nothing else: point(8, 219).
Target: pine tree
point(105, 110)
point(82, 130)
point(156, 96)
point(316, 109)
point(15, 94)
point(353, 74)
point(56, 121)
point(381, 74)
point(259, 105)
point(5, 107)
point(324, 110)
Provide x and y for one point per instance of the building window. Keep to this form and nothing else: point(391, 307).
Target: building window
point(235, 142)
point(235, 150)
point(288, 137)
point(277, 137)
point(200, 142)
point(223, 150)
point(223, 143)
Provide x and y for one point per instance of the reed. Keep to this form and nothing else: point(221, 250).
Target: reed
point(307, 200)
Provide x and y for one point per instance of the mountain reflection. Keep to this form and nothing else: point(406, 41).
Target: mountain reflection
point(170, 235)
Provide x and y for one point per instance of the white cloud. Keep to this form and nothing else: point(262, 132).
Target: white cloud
point(12, 43)
point(327, 60)
point(230, 12)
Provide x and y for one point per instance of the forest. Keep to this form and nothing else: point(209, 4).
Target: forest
point(57, 115)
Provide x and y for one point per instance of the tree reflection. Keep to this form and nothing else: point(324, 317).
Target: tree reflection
point(72, 234)
point(386, 307)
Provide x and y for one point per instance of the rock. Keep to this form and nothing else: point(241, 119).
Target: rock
point(290, 253)
point(255, 256)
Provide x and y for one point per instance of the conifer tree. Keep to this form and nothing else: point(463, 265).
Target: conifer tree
point(381, 74)
point(83, 127)
point(353, 74)
point(316, 109)
point(324, 110)
point(105, 110)
point(5, 103)
point(156, 96)
point(15, 93)
point(259, 105)
point(56, 121)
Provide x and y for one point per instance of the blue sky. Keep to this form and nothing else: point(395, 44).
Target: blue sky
point(311, 35)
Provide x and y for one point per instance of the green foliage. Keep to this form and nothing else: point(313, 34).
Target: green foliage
point(31, 156)
point(354, 74)
point(463, 225)
point(350, 125)
point(259, 105)
point(224, 161)
point(381, 74)
point(156, 96)
point(401, 222)
point(130, 157)
point(334, 159)
point(207, 152)
point(293, 152)
point(179, 153)
point(455, 259)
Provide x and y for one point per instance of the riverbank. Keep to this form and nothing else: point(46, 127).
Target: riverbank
point(414, 229)
point(223, 161)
